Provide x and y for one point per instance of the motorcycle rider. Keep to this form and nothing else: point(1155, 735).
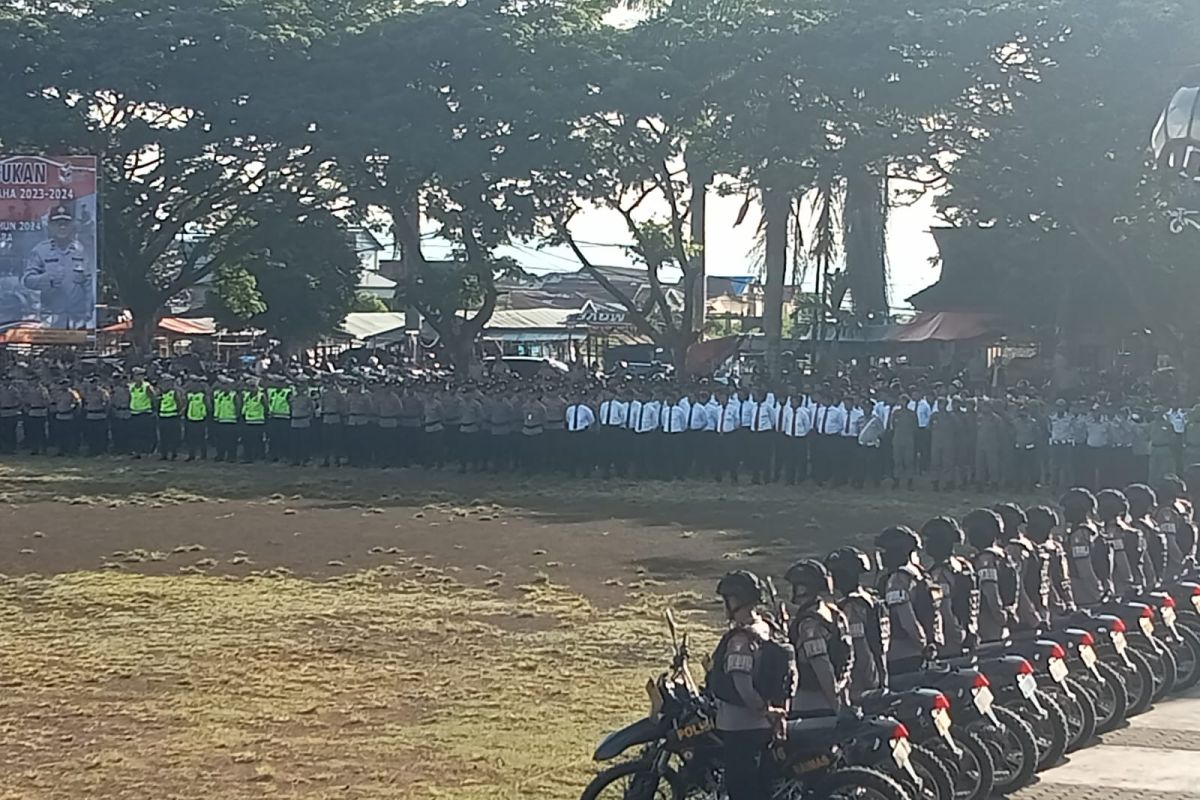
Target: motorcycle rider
point(1125, 543)
point(1042, 527)
point(819, 633)
point(1155, 558)
point(1091, 565)
point(870, 628)
point(1033, 574)
point(1174, 516)
point(959, 608)
point(912, 600)
point(997, 575)
point(745, 718)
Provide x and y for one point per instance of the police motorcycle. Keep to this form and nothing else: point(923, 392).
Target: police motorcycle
point(680, 750)
point(1098, 686)
point(1132, 670)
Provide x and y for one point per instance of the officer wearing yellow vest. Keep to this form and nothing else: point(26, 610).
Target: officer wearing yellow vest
point(279, 410)
point(141, 414)
point(226, 410)
point(254, 420)
point(169, 407)
point(198, 408)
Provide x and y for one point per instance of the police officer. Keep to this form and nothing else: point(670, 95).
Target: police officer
point(744, 717)
point(912, 600)
point(141, 414)
point(279, 411)
point(1090, 565)
point(253, 405)
point(1033, 574)
point(820, 634)
point(1174, 520)
point(1142, 503)
point(120, 413)
point(866, 618)
point(65, 423)
point(959, 607)
point(903, 425)
point(331, 403)
point(996, 574)
point(37, 412)
point(226, 417)
point(196, 413)
point(943, 429)
point(59, 270)
point(302, 408)
point(95, 415)
point(169, 408)
point(1125, 543)
point(11, 404)
point(1042, 526)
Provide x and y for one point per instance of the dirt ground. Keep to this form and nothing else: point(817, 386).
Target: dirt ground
point(208, 630)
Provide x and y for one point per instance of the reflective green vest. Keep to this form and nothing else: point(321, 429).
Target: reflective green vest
point(139, 398)
point(279, 401)
point(253, 407)
point(224, 406)
point(167, 405)
point(197, 409)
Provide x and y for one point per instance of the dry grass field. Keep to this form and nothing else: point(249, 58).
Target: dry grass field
point(230, 631)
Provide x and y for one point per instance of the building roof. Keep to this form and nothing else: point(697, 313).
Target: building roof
point(174, 326)
point(365, 326)
point(374, 281)
point(532, 319)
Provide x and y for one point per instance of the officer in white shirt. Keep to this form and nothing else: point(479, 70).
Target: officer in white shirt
point(580, 451)
point(847, 446)
point(645, 417)
point(795, 424)
point(1062, 441)
point(871, 430)
point(828, 418)
point(727, 423)
point(1178, 417)
point(758, 417)
point(923, 406)
point(672, 451)
point(612, 447)
point(1097, 426)
point(697, 426)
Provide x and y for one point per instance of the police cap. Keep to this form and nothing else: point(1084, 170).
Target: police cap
point(810, 573)
point(942, 533)
point(848, 560)
point(899, 539)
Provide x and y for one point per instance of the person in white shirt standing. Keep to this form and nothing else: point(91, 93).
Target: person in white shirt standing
point(871, 430)
point(922, 405)
point(672, 450)
point(697, 426)
point(580, 450)
point(828, 417)
point(758, 415)
point(847, 446)
point(795, 423)
point(645, 421)
point(726, 418)
point(613, 435)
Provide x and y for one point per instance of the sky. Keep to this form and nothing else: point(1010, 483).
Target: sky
point(910, 245)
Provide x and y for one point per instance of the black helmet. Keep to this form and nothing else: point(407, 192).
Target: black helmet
point(1013, 517)
point(900, 540)
point(848, 560)
point(810, 573)
point(983, 527)
point(1111, 504)
point(1171, 488)
point(743, 585)
point(1078, 504)
point(941, 535)
point(1041, 520)
point(1142, 499)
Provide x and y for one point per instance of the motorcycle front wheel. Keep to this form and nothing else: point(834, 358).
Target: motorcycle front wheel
point(1112, 699)
point(1013, 749)
point(976, 775)
point(859, 783)
point(1049, 732)
point(1080, 709)
point(1187, 659)
point(633, 780)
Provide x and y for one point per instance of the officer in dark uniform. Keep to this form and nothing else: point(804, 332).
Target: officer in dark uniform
point(1125, 543)
point(1090, 563)
point(1033, 575)
point(1142, 503)
point(959, 608)
point(867, 617)
point(745, 720)
point(1042, 527)
point(818, 630)
point(996, 608)
point(912, 600)
point(1174, 517)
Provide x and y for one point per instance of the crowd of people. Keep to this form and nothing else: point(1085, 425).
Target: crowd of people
point(1027, 571)
point(839, 430)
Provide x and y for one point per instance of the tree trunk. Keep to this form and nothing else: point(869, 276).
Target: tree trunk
point(866, 265)
point(145, 323)
point(776, 206)
point(700, 177)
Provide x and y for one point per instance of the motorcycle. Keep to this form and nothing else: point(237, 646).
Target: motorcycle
point(1109, 633)
point(680, 749)
point(926, 715)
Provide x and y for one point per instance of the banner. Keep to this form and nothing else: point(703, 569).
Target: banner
point(48, 254)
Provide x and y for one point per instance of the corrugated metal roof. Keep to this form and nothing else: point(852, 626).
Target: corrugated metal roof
point(373, 280)
point(367, 325)
point(532, 318)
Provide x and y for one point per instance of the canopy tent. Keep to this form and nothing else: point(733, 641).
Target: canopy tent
point(374, 327)
point(948, 326)
point(169, 326)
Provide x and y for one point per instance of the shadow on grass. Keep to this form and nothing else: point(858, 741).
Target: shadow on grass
point(778, 517)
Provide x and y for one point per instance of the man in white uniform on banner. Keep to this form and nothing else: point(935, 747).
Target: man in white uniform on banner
point(58, 270)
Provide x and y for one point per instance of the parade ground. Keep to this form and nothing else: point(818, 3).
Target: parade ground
point(208, 630)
